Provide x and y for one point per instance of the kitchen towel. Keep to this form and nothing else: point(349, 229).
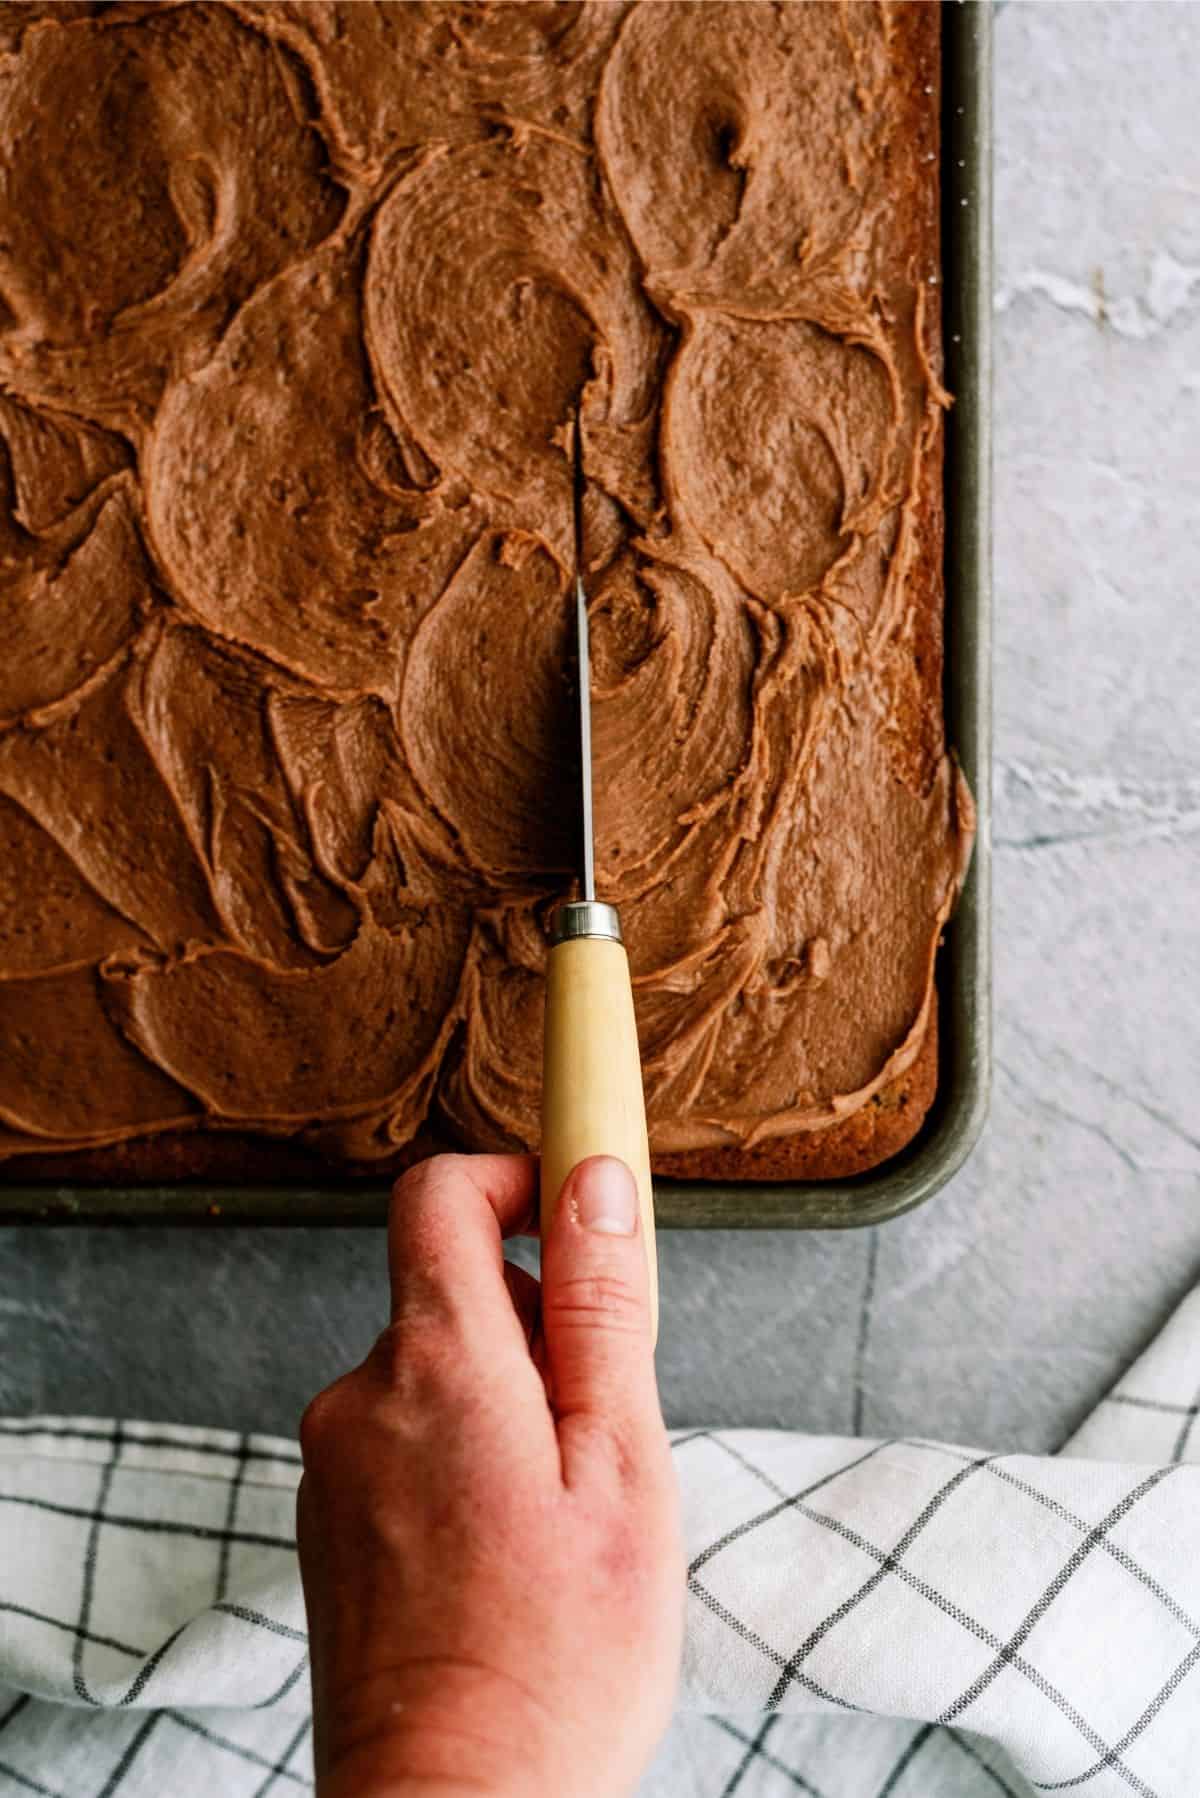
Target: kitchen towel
point(898, 1619)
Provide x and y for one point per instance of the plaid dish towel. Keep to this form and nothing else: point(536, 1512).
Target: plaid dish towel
point(903, 1619)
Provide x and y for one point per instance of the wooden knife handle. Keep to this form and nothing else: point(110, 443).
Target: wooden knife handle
point(592, 1100)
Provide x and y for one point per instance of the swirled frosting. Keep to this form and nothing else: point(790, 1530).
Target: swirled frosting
point(296, 302)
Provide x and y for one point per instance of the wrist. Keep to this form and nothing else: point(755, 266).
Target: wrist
point(354, 1782)
point(383, 1770)
point(439, 1731)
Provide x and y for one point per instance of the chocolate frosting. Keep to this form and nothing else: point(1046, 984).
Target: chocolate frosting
point(296, 302)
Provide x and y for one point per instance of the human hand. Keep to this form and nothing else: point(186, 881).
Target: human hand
point(488, 1520)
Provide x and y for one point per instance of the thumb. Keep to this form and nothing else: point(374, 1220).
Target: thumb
point(596, 1301)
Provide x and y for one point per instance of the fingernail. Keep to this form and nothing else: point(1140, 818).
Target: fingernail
point(605, 1197)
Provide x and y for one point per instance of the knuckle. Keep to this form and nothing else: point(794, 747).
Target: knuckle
point(416, 1358)
point(427, 1209)
point(324, 1421)
point(598, 1301)
point(424, 1178)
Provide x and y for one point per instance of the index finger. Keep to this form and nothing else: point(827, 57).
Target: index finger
point(447, 1221)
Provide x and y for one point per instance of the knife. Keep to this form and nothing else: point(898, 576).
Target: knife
point(592, 1098)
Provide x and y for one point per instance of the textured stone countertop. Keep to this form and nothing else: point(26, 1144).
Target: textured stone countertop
point(1000, 1311)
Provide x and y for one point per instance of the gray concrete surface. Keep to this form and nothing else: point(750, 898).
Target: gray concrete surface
point(999, 1312)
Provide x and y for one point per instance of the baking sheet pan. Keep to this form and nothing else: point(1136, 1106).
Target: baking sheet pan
point(964, 966)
